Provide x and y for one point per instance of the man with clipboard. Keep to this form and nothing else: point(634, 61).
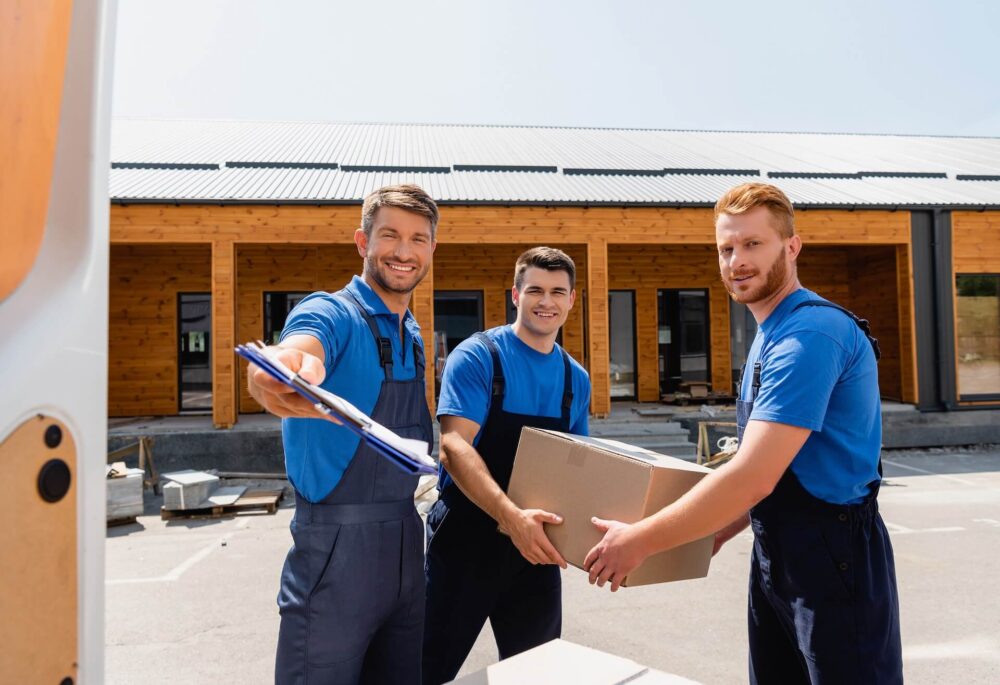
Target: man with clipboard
point(352, 589)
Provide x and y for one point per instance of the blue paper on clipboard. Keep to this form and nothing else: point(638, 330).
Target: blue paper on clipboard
point(406, 454)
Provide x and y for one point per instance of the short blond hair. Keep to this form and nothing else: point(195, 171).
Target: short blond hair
point(409, 197)
point(748, 196)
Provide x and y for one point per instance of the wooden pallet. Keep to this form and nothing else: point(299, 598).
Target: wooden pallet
point(265, 501)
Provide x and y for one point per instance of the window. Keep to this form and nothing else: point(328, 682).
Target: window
point(621, 339)
point(977, 314)
point(277, 307)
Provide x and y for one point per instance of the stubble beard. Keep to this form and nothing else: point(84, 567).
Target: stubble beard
point(379, 276)
point(775, 279)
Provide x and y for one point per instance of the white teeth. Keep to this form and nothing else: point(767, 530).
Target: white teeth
point(400, 268)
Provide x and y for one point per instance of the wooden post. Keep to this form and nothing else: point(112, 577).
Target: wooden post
point(422, 308)
point(597, 323)
point(224, 368)
point(647, 344)
point(910, 389)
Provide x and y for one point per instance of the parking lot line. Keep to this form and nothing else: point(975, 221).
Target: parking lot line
point(179, 570)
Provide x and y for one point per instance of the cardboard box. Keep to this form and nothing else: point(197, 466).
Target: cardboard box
point(579, 477)
point(559, 661)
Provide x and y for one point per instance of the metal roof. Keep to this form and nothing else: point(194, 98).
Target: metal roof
point(315, 163)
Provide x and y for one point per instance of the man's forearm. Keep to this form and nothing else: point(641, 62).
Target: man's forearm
point(469, 471)
point(716, 502)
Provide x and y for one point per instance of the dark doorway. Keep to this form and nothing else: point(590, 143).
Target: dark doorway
point(194, 351)
point(457, 315)
point(621, 338)
point(683, 338)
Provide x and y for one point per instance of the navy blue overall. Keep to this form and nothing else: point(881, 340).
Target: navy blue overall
point(475, 572)
point(823, 604)
point(352, 589)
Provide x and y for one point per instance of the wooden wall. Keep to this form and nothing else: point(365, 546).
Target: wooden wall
point(500, 233)
point(975, 238)
point(874, 297)
point(142, 313)
point(865, 280)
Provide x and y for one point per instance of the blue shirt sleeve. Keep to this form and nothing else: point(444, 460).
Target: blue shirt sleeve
point(466, 382)
point(319, 316)
point(798, 374)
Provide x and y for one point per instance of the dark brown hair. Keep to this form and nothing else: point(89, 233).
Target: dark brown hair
point(548, 258)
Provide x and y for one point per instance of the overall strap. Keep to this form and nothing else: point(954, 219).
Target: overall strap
point(499, 385)
point(383, 344)
point(418, 358)
point(567, 397)
point(862, 323)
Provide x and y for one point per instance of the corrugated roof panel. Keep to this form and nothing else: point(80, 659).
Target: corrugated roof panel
point(389, 145)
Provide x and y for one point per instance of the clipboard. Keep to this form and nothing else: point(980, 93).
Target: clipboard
point(407, 454)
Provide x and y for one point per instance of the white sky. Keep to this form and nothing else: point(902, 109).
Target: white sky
point(875, 66)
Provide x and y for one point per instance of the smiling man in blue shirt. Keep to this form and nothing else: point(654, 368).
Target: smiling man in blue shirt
point(494, 384)
point(823, 605)
point(352, 589)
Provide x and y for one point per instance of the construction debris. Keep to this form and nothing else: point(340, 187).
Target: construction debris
point(188, 489)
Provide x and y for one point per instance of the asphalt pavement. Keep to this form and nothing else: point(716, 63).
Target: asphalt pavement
point(193, 601)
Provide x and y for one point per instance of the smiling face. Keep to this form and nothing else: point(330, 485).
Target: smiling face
point(398, 252)
point(755, 262)
point(543, 302)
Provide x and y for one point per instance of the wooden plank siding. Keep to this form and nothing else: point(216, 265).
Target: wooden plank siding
point(142, 313)
point(975, 238)
point(909, 386)
point(225, 372)
point(599, 349)
point(303, 248)
point(422, 308)
point(146, 223)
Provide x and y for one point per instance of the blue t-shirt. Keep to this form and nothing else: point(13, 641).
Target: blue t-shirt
point(818, 371)
point(533, 383)
point(317, 451)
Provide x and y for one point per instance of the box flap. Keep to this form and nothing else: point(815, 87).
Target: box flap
point(558, 661)
point(640, 454)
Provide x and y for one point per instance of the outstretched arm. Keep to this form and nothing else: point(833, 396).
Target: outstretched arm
point(716, 502)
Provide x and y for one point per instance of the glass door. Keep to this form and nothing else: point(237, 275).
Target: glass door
point(683, 338)
point(194, 351)
point(621, 334)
